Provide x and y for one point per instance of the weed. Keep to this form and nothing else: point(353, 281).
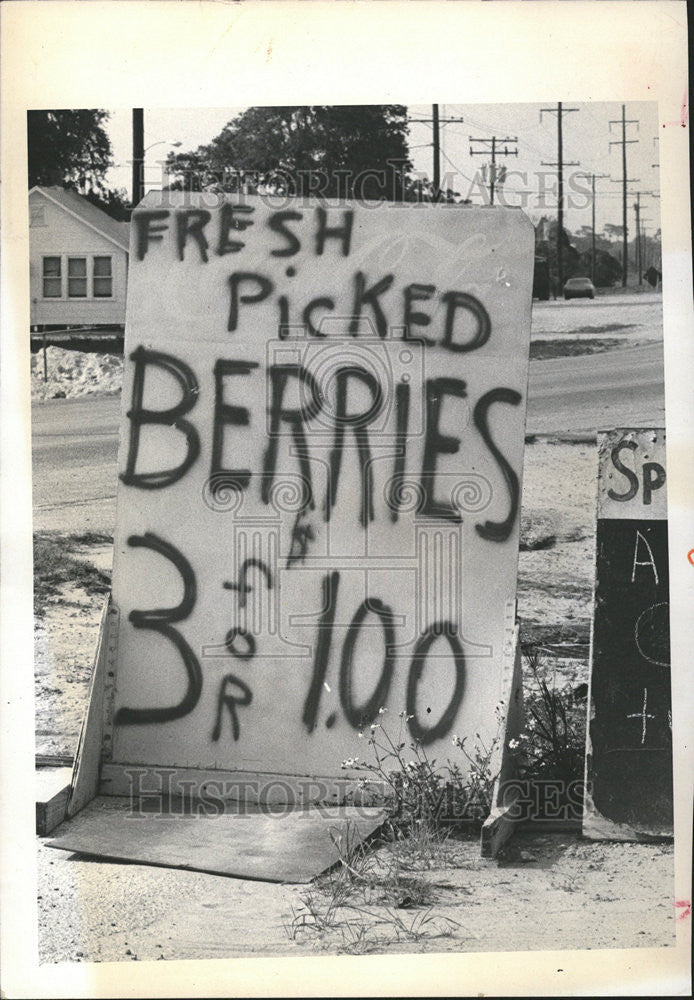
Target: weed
point(369, 898)
point(56, 566)
point(551, 745)
point(374, 898)
point(425, 800)
point(566, 882)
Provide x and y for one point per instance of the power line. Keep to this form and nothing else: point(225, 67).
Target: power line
point(455, 167)
point(436, 121)
point(559, 111)
point(624, 142)
point(492, 149)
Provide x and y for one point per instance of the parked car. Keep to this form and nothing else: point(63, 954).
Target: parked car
point(579, 288)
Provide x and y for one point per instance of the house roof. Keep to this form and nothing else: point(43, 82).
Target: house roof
point(90, 215)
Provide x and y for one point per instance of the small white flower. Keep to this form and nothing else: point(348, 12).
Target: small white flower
point(382, 711)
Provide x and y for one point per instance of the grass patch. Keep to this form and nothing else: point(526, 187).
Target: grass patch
point(543, 350)
point(382, 892)
point(573, 638)
point(88, 538)
point(56, 566)
point(604, 328)
point(367, 901)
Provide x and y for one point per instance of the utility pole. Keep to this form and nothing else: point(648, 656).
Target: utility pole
point(646, 250)
point(640, 229)
point(637, 213)
point(491, 145)
point(437, 148)
point(138, 180)
point(623, 142)
point(592, 254)
point(436, 122)
point(560, 164)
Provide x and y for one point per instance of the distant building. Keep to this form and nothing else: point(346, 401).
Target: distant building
point(78, 261)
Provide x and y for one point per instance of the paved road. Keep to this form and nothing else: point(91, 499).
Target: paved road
point(619, 388)
point(75, 447)
point(75, 441)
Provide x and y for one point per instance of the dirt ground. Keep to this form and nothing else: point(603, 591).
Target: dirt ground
point(555, 892)
point(558, 891)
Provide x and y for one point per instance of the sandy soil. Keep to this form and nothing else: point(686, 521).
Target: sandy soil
point(556, 892)
point(637, 316)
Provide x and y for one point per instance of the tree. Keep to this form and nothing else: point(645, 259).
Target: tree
point(546, 246)
point(613, 232)
point(112, 201)
point(70, 148)
point(340, 151)
point(607, 268)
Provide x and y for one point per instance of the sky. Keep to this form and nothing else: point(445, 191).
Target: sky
point(587, 134)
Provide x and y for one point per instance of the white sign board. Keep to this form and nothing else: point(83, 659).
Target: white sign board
point(320, 473)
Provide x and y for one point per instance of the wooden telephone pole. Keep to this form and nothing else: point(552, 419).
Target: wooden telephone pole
point(491, 148)
point(640, 230)
point(436, 122)
point(138, 180)
point(437, 148)
point(593, 178)
point(560, 164)
point(624, 142)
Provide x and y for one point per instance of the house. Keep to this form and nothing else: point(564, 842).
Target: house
point(78, 261)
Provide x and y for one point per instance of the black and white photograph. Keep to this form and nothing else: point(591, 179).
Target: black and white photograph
point(355, 547)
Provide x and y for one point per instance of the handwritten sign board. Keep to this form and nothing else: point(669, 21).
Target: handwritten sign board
point(630, 749)
point(320, 472)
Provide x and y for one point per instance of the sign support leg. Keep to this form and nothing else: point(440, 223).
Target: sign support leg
point(503, 819)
